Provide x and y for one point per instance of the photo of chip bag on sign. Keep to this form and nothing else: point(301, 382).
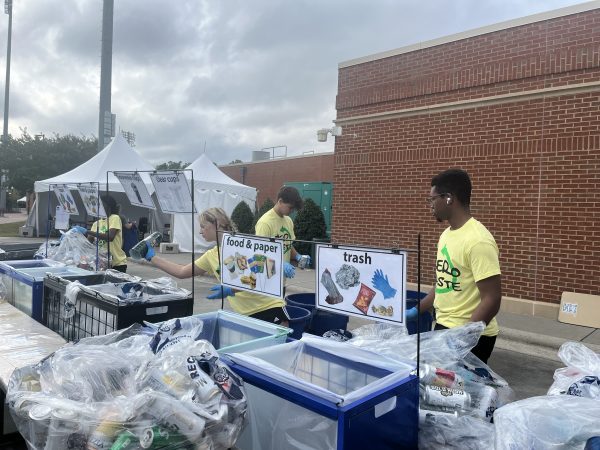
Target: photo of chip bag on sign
point(252, 264)
point(362, 282)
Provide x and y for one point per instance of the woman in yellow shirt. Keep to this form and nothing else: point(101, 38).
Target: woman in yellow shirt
point(261, 307)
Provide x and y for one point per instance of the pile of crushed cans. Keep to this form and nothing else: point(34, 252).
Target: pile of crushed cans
point(138, 388)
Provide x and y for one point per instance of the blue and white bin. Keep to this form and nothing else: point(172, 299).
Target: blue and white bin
point(316, 393)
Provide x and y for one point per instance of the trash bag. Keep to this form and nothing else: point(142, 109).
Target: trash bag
point(113, 391)
point(581, 377)
point(458, 392)
point(547, 422)
point(73, 249)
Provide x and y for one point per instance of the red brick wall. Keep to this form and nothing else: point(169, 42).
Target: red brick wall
point(269, 176)
point(535, 163)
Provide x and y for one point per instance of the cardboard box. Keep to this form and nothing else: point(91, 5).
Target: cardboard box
point(167, 247)
point(580, 309)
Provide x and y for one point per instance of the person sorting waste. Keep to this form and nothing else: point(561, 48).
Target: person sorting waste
point(108, 230)
point(242, 302)
point(467, 272)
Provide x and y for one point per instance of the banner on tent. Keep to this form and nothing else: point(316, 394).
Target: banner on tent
point(135, 189)
point(90, 199)
point(362, 282)
point(173, 192)
point(65, 199)
point(252, 264)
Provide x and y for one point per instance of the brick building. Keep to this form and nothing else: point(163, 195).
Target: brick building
point(268, 176)
point(515, 104)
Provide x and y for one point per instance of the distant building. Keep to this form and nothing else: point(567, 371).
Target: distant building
point(270, 174)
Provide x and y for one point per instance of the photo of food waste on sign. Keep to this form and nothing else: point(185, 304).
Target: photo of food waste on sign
point(362, 282)
point(252, 264)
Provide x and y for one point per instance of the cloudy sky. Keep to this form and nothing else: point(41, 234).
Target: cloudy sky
point(230, 76)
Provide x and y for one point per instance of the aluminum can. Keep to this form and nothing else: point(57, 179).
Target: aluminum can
point(303, 263)
point(434, 415)
point(104, 435)
point(130, 441)
point(174, 416)
point(446, 397)
point(63, 424)
point(38, 425)
point(485, 403)
point(440, 377)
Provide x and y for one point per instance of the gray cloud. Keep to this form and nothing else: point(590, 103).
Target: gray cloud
point(236, 75)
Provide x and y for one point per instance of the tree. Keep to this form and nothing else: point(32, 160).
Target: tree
point(29, 159)
point(266, 206)
point(236, 161)
point(309, 224)
point(243, 218)
point(172, 165)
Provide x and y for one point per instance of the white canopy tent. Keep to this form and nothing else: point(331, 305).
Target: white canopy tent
point(212, 188)
point(116, 156)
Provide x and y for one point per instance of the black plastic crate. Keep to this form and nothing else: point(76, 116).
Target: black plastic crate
point(96, 314)
point(18, 251)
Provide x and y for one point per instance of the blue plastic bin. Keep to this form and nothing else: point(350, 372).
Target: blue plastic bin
point(425, 320)
point(306, 393)
point(321, 321)
point(231, 332)
point(299, 320)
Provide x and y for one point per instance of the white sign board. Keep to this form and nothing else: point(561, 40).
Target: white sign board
point(61, 219)
point(91, 201)
point(65, 199)
point(252, 264)
point(135, 189)
point(367, 283)
point(173, 192)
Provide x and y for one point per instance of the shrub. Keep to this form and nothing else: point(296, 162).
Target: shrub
point(243, 218)
point(309, 224)
point(266, 206)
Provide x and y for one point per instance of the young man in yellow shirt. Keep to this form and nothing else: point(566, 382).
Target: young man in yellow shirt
point(468, 281)
point(276, 223)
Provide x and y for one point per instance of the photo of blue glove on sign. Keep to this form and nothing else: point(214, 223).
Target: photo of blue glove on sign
point(382, 284)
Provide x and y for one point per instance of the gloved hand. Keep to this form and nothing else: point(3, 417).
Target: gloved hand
point(412, 314)
point(381, 283)
point(79, 229)
point(220, 291)
point(288, 270)
point(299, 257)
point(150, 252)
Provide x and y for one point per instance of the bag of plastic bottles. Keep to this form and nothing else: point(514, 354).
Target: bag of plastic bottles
point(74, 249)
point(581, 377)
point(114, 392)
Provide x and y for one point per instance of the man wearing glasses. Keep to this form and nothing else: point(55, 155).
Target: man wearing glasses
point(468, 284)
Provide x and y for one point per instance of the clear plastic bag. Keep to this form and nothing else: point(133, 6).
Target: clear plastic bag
point(548, 422)
point(581, 377)
point(113, 391)
point(74, 249)
point(459, 393)
point(137, 291)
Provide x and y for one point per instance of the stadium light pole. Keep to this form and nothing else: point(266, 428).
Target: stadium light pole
point(7, 10)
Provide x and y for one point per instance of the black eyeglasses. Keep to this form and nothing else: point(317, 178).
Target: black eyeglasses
point(432, 198)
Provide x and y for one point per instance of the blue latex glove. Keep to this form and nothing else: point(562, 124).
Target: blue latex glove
point(150, 252)
point(220, 291)
point(382, 284)
point(299, 257)
point(79, 229)
point(288, 270)
point(412, 314)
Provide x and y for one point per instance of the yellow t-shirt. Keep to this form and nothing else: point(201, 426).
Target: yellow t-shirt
point(274, 226)
point(464, 257)
point(116, 245)
point(242, 302)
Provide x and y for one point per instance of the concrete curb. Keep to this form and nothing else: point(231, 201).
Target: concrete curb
point(534, 344)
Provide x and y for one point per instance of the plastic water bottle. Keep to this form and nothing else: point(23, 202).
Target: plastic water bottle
point(139, 250)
